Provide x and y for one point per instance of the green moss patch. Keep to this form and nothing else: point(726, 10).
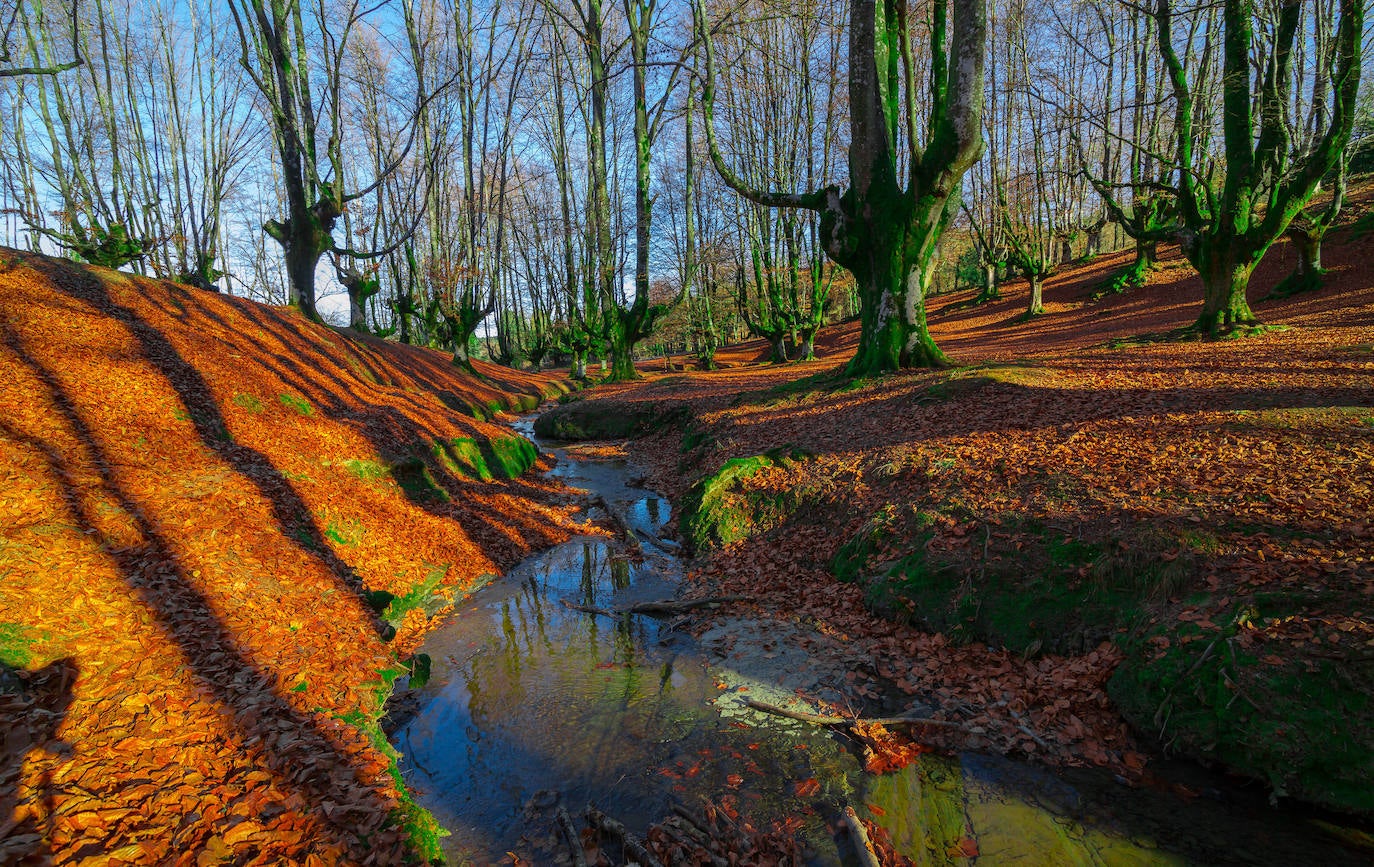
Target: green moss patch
point(345, 531)
point(609, 420)
point(1296, 717)
point(419, 824)
point(299, 404)
point(366, 470)
point(16, 642)
point(248, 403)
point(722, 508)
point(416, 479)
point(1018, 584)
point(502, 457)
point(514, 455)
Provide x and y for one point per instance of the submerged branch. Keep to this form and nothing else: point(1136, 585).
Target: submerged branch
point(818, 719)
point(660, 607)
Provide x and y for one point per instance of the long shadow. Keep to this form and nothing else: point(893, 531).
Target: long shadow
point(292, 513)
point(33, 705)
point(291, 745)
point(394, 432)
point(896, 419)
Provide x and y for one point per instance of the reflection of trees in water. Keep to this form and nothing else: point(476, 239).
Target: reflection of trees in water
point(539, 639)
point(651, 505)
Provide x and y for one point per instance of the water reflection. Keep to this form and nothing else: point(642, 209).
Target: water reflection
point(530, 702)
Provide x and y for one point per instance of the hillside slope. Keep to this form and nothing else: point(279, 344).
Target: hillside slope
point(205, 501)
point(1079, 314)
point(1087, 543)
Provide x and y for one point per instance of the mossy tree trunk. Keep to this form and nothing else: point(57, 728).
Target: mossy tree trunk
point(1224, 284)
point(1306, 234)
point(626, 326)
point(279, 59)
point(1036, 305)
point(991, 290)
point(361, 286)
point(1308, 271)
point(1268, 179)
point(884, 228)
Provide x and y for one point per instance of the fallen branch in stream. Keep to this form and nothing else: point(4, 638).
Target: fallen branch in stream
point(715, 837)
point(629, 534)
point(847, 722)
point(628, 841)
point(863, 847)
point(565, 824)
point(658, 608)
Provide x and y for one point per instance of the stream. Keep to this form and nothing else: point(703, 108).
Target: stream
point(531, 704)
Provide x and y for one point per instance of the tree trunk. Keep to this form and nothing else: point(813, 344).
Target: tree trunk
point(1094, 243)
point(1133, 276)
point(808, 347)
point(1037, 284)
point(1224, 306)
point(991, 290)
point(777, 353)
point(1146, 255)
point(1307, 274)
point(892, 275)
point(301, 259)
point(621, 352)
point(357, 311)
point(461, 357)
point(579, 364)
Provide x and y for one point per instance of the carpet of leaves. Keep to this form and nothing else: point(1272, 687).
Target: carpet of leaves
point(1265, 442)
point(185, 539)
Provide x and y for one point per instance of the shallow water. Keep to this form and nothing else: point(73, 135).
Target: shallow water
point(532, 704)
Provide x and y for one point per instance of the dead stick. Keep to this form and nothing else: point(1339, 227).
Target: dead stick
point(817, 719)
point(630, 841)
point(590, 609)
point(693, 819)
point(565, 824)
point(862, 845)
point(664, 607)
point(695, 847)
point(620, 524)
point(1027, 732)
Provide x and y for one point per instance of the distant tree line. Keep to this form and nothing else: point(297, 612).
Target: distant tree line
point(574, 181)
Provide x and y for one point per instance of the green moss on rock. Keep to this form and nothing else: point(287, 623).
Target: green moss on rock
point(417, 480)
point(1033, 590)
point(502, 457)
point(720, 509)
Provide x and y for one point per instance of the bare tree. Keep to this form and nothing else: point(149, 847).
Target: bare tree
point(885, 227)
point(1231, 203)
point(40, 65)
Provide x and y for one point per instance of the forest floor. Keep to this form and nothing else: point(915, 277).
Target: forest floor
point(1086, 542)
point(222, 528)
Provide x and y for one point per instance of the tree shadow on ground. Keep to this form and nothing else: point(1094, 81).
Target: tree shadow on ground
point(301, 756)
point(33, 705)
point(399, 422)
point(293, 516)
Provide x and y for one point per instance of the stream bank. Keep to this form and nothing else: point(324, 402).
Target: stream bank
point(532, 705)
